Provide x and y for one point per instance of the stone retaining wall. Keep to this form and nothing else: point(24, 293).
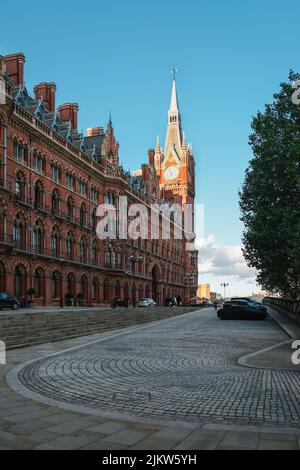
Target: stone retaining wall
point(21, 330)
point(290, 308)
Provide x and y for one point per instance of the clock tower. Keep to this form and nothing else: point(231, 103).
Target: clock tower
point(175, 165)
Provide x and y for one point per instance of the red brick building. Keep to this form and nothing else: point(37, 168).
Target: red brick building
point(52, 179)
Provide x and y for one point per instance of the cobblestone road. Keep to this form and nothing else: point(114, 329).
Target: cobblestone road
point(184, 369)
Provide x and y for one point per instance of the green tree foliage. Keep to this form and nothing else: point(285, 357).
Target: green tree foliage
point(270, 196)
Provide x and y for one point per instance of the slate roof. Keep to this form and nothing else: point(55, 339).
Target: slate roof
point(90, 145)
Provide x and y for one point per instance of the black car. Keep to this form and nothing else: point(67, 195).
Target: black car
point(8, 301)
point(120, 303)
point(252, 301)
point(241, 310)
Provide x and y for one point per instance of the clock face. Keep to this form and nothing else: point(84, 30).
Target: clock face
point(171, 173)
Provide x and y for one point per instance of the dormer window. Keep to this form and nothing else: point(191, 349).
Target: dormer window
point(94, 154)
point(69, 135)
point(39, 112)
point(54, 125)
point(22, 96)
point(82, 145)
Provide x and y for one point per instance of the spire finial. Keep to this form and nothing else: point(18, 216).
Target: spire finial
point(173, 72)
point(109, 118)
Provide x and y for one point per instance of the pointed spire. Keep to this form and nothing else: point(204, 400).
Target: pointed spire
point(174, 99)
point(174, 134)
point(109, 119)
point(184, 146)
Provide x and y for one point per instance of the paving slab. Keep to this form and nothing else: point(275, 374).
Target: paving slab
point(71, 426)
point(101, 445)
point(70, 442)
point(151, 443)
point(176, 433)
point(201, 440)
point(28, 427)
point(277, 445)
point(240, 440)
point(109, 427)
point(126, 436)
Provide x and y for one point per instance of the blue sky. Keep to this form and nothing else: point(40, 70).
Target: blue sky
point(231, 57)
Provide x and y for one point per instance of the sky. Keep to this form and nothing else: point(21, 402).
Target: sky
point(231, 57)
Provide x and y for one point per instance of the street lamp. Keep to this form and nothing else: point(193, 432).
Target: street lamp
point(224, 284)
point(133, 259)
point(190, 281)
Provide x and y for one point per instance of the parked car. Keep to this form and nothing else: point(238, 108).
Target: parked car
point(146, 303)
point(252, 301)
point(8, 301)
point(240, 310)
point(152, 302)
point(120, 303)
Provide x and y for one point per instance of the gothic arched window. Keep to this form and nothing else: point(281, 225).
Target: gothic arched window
point(38, 237)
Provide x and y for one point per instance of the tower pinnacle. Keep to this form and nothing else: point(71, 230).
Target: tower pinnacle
point(174, 99)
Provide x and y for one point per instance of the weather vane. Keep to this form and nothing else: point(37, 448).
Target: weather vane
point(173, 72)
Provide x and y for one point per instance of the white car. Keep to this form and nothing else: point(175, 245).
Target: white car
point(146, 303)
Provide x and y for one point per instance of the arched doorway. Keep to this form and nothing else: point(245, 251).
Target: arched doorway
point(133, 294)
point(20, 282)
point(155, 277)
point(71, 284)
point(55, 285)
point(141, 291)
point(84, 286)
point(106, 290)
point(147, 291)
point(95, 289)
point(118, 290)
point(126, 291)
point(39, 283)
point(2, 278)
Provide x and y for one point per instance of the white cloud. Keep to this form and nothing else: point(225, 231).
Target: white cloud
point(223, 260)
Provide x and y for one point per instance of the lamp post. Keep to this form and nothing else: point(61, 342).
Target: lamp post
point(133, 259)
point(190, 281)
point(224, 285)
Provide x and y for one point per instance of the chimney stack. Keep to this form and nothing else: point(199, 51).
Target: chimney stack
point(151, 155)
point(2, 66)
point(91, 131)
point(145, 171)
point(47, 92)
point(69, 112)
point(15, 67)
